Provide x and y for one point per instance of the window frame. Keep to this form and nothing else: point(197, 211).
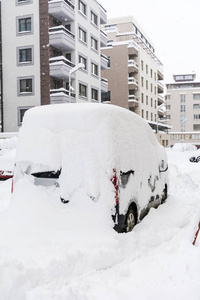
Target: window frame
point(82, 8)
point(82, 84)
point(21, 93)
point(23, 2)
point(25, 32)
point(93, 14)
point(19, 116)
point(28, 62)
point(94, 67)
point(82, 32)
point(94, 43)
point(93, 89)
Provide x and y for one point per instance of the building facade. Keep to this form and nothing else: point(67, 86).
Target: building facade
point(42, 43)
point(183, 109)
point(134, 72)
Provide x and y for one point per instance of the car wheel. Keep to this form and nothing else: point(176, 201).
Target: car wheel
point(130, 220)
point(198, 158)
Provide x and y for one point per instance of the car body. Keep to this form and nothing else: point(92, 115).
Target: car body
point(106, 150)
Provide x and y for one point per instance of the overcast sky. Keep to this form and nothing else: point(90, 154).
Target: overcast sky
point(172, 25)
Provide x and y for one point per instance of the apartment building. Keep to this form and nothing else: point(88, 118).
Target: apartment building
point(183, 109)
point(50, 54)
point(134, 72)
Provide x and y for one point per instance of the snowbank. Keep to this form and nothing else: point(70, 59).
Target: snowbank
point(49, 251)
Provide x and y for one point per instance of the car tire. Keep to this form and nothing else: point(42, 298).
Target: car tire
point(198, 158)
point(130, 220)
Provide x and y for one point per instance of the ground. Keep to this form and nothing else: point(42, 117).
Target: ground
point(47, 254)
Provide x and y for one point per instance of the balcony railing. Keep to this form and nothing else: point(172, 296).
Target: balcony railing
point(61, 96)
point(104, 85)
point(62, 9)
point(61, 38)
point(60, 67)
point(104, 61)
point(132, 80)
point(103, 38)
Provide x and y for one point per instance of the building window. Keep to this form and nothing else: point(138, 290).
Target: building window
point(147, 100)
point(20, 2)
point(82, 90)
point(182, 108)
point(94, 44)
point(196, 96)
point(105, 97)
point(94, 69)
point(151, 73)
point(20, 112)
point(147, 115)
point(146, 69)
point(142, 79)
point(82, 7)
point(94, 93)
point(142, 65)
point(83, 60)
point(24, 25)
point(94, 18)
point(196, 106)
point(25, 55)
point(82, 35)
point(142, 113)
point(196, 127)
point(142, 98)
point(182, 98)
point(108, 59)
point(196, 117)
point(147, 84)
point(25, 86)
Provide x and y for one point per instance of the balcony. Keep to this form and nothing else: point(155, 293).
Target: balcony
point(133, 83)
point(103, 39)
point(132, 49)
point(104, 85)
point(61, 38)
point(104, 62)
point(61, 96)
point(103, 15)
point(160, 100)
point(60, 67)
point(62, 10)
point(132, 65)
point(160, 88)
point(132, 101)
point(160, 74)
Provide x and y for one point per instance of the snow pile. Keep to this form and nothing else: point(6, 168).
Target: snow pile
point(8, 143)
point(51, 251)
point(180, 147)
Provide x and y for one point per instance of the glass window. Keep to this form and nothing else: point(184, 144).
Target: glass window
point(196, 127)
point(196, 96)
point(25, 55)
point(20, 112)
point(25, 25)
point(83, 60)
point(82, 90)
point(25, 86)
point(94, 18)
point(196, 117)
point(182, 98)
point(23, 1)
point(82, 34)
point(196, 106)
point(182, 108)
point(82, 7)
point(94, 69)
point(94, 43)
point(94, 94)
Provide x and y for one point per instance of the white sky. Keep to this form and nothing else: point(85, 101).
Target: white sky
point(172, 25)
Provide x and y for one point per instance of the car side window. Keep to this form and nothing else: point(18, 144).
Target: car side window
point(124, 178)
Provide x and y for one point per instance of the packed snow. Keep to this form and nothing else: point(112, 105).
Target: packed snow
point(49, 250)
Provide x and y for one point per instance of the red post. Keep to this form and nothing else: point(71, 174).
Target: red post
point(196, 235)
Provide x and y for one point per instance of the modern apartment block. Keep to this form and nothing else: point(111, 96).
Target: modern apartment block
point(134, 72)
point(183, 108)
point(43, 44)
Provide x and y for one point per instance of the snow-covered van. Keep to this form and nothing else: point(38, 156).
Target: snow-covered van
point(105, 151)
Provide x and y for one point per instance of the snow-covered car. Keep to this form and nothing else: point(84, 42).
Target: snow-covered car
point(106, 151)
point(195, 156)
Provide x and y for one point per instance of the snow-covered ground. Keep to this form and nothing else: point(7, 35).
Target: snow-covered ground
point(52, 251)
